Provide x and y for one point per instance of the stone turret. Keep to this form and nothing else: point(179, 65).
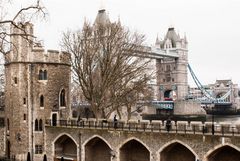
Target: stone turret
point(102, 17)
point(37, 89)
point(172, 72)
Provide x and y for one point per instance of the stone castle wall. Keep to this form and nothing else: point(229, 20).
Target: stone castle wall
point(154, 142)
point(24, 87)
point(188, 107)
point(2, 141)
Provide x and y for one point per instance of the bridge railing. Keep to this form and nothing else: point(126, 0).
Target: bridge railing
point(182, 127)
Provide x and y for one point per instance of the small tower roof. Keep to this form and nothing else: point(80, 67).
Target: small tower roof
point(102, 17)
point(172, 35)
point(157, 41)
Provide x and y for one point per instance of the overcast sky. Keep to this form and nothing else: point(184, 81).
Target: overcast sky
point(212, 28)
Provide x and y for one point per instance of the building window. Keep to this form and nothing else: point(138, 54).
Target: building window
point(172, 79)
point(24, 101)
point(42, 75)
point(1, 122)
point(62, 98)
point(168, 79)
point(36, 125)
point(8, 124)
point(168, 68)
point(45, 75)
point(41, 101)
point(15, 80)
point(40, 128)
point(24, 117)
point(38, 149)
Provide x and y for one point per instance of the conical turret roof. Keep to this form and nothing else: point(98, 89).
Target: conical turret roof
point(102, 17)
point(172, 36)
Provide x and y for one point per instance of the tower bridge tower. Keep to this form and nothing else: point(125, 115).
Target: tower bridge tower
point(172, 72)
point(37, 89)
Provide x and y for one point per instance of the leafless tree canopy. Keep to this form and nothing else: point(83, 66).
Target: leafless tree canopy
point(25, 14)
point(105, 65)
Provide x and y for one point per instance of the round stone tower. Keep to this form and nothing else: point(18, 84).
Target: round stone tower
point(37, 90)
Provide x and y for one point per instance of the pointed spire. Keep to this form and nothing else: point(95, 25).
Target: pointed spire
point(157, 43)
point(119, 21)
point(102, 17)
point(185, 37)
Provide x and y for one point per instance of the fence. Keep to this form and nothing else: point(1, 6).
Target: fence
point(206, 128)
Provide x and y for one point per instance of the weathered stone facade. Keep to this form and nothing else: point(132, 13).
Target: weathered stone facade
point(37, 88)
point(172, 72)
point(2, 141)
point(157, 144)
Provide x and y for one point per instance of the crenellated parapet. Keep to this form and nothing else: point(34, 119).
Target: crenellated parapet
point(50, 56)
point(25, 48)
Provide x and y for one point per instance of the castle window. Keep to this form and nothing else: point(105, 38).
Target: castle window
point(62, 98)
point(36, 125)
point(172, 79)
point(24, 101)
point(45, 75)
point(24, 117)
point(42, 75)
point(168, 68)
point(15, 80)
point(41, 101)
point(38, 149)
point(40, 127)
point(1, 122)
point(168, 79)
point(8, 124)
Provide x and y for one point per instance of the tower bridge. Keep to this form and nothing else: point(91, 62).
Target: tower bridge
point(37, 89)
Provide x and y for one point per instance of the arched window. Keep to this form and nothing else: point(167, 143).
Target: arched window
point(41, 101)
point(36, 125)
point(62, 98)
point(40, 125)
point(8, 124)
point(41, 75)
point(45, 75)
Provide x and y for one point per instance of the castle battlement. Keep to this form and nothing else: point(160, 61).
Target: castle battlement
point(50, 56)
point(27, 50)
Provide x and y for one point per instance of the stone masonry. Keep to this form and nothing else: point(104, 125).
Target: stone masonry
point(199, 145)
point(37, 88)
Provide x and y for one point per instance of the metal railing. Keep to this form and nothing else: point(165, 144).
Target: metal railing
point(153, 126)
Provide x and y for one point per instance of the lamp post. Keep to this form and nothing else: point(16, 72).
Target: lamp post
point(212, 118)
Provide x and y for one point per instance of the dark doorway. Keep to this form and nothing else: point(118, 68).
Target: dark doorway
point(134, 151)
point(225, 153)
point(8, 153)
point(177, 152)
point(54, 119)
point(168, 95)
point(65, 149)
point(97, 150)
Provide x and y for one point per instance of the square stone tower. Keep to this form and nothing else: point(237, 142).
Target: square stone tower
point(37, 89)
point(172, 72)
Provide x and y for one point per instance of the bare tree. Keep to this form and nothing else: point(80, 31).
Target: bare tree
point(106, 65)
point(25, 14)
